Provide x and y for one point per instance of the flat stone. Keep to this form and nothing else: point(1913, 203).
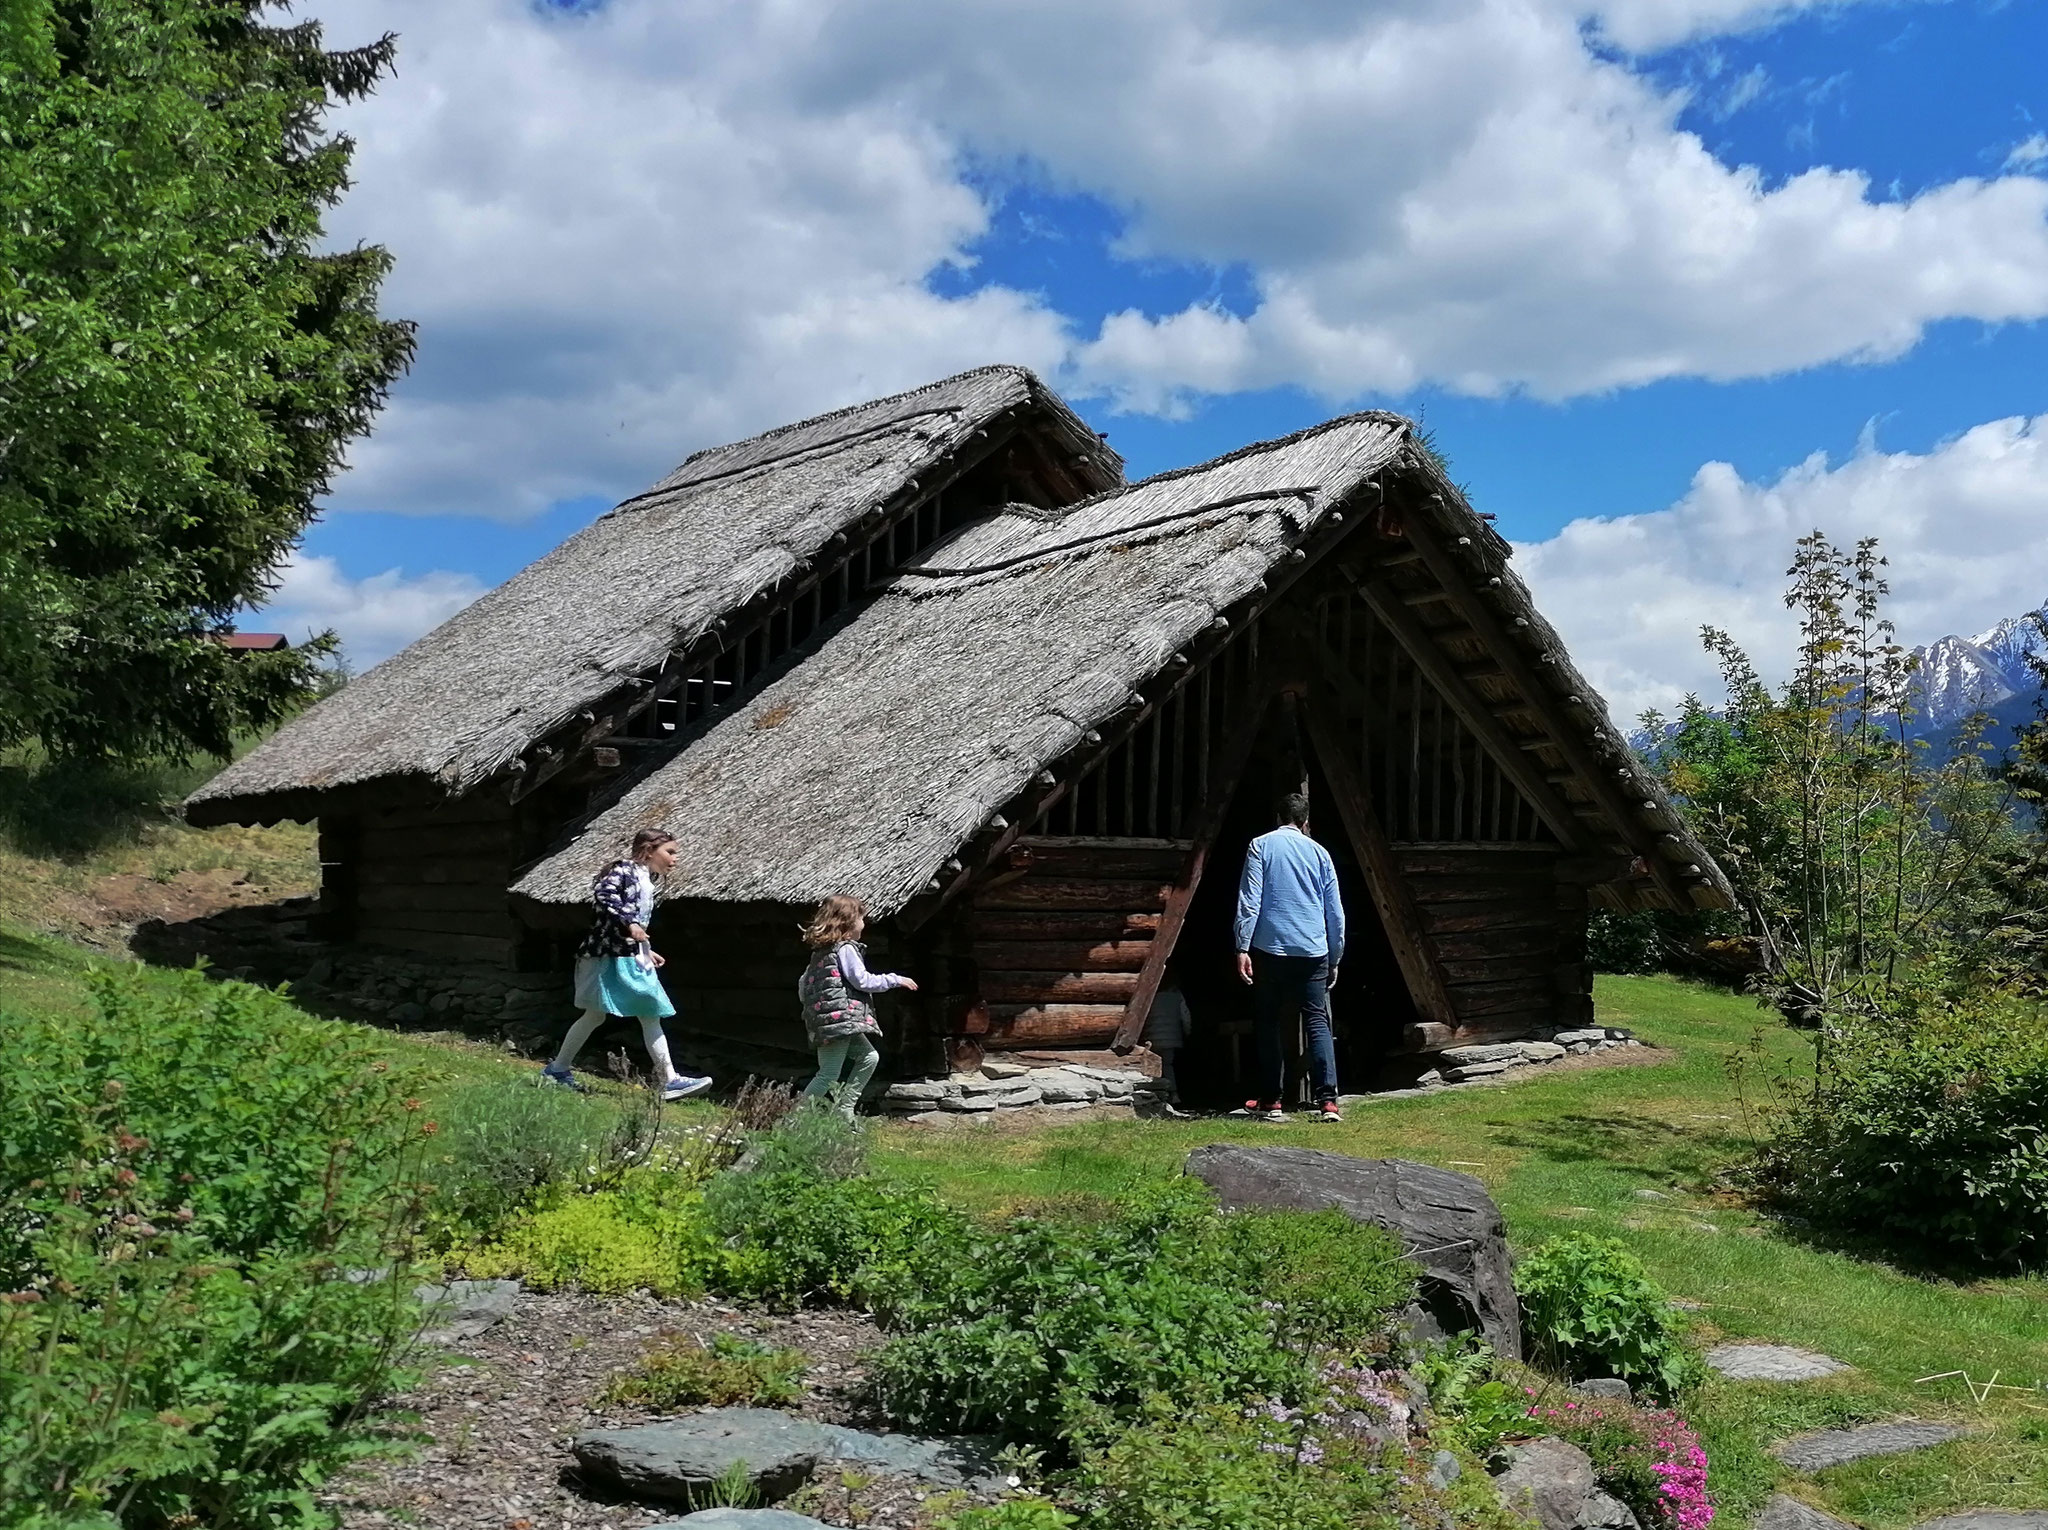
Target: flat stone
point(1838, 1447)
point(1784, 1512)
point(1028, 1095)
point(1079, 1092)
point(1572, 1038)
point(1769, 1362)
point(934, 1089)
point(466, 1309)
point(676, 1461)
point(1503, 1051)
point(743, 1519)
point(1003, 1070)
point(974, 1086)
point(1540, 1051)
point(1991, 1519)
point(958, 1463)
point(968, 1102)
point(1467, 1071)
point(1124, 1076)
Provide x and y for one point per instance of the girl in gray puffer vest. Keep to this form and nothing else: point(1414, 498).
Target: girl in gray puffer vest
point(837, 1014)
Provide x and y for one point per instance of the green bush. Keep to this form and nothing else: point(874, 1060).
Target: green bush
point(1588, 1309)
point(1472, 1402)
point(504, 1141)
point(682, 1372)
point(648, 1232)
point(1011, 1514)
point(1226, 1467)
point(1046, 1327)
point(1930, 1134)
point(871, 1242)
point(192, 1179)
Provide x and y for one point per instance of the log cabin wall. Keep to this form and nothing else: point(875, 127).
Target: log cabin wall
point(421, 875)
point(732, 974)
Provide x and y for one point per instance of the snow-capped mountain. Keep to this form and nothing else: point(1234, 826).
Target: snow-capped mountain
point(1962, 675)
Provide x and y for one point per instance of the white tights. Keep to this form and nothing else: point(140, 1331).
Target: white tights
point(651, 1034)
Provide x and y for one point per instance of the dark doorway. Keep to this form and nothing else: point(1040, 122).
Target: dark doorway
point(1370, 1006)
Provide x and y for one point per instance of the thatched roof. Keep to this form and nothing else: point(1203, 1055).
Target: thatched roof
point(646, 579)
point(870, 764)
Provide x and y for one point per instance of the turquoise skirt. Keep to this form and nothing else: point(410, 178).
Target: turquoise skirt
point(619, 985)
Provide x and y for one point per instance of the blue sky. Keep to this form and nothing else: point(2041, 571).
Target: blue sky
point(1671, 281)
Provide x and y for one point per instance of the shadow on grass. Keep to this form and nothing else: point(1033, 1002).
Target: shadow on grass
point(18, 954)
point(71, 808)
point(1630, 1144)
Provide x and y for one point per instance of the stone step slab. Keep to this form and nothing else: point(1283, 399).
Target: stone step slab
point(1771, 1362)
point(1838, 1447)
point(678, 1460)
point(1785, 1512)
point(743, 1519)
point(466, 1309)
point(1991, 1519)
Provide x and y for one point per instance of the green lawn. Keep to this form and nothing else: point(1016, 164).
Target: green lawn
point(1579, 1149)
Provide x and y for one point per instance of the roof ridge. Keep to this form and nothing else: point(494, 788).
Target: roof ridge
point(829, 415)
point(1250, 449)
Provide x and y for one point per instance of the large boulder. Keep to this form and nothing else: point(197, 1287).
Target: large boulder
point(1550, 1483)
point(1446, 1222)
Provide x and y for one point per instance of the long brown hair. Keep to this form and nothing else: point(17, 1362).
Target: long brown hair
point(651, 839)
point(835, 921)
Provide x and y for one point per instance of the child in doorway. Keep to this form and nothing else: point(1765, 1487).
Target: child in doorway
point(837, 1013)
point(616, 967)
point(1166, 1032)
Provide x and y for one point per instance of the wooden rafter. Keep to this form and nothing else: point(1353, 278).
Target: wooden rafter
point(1471, 709)
point(1521, 674)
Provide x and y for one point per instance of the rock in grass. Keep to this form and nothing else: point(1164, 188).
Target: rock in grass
point(1771, 1362)
point(1838, 1447)
point(678, 1462)
point(465, 1309)
point(1605, 1386)
point(1446, 1221)
point(1547, 1482)
point(1787, 1513)
point(1991, 1519)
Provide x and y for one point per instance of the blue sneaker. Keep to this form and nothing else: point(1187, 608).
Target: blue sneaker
point(562, 1078)
point(682, 1086)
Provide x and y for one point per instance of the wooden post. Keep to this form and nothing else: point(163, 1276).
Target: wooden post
point(1223, 779)
point(1391, 894)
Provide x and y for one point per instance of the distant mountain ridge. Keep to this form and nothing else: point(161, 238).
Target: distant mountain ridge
point(1960, 676)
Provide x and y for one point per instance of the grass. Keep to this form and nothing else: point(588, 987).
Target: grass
point(1578, 1148)
point(86, 849)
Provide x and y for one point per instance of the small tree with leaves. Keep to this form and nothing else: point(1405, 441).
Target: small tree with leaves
point(1857, 858)
point(181, 366)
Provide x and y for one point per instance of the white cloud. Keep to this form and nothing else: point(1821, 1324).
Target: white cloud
point(655, 225)
point(1961, 524)
point(2029, 154)
point(375, 617)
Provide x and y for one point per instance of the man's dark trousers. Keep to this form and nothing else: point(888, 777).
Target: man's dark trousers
point(1283, 987)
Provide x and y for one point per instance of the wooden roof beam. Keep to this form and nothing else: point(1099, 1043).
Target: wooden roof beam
point(1521, 673)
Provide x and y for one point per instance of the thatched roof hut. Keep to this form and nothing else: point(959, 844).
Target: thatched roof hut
point(1033, 736)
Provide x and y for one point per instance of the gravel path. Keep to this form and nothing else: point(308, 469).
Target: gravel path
point(499, 1411)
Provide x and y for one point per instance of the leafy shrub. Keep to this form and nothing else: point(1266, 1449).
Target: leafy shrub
point(1930, 1133)
point(649, 1232)
point(504, 1141)
point(681, 1372)
point(1227, 1467)
point(1651, 1461)
point(1012, 1514)
point(1046, 1328)
point(1471, 1401)
point(1588, 1309)
point(188, 1177)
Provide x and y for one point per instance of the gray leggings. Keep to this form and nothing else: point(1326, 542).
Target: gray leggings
point(844, 1068)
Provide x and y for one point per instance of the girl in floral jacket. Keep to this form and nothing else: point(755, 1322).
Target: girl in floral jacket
point(616, 967)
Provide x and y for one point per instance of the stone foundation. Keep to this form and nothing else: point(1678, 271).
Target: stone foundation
point(1002, 1086)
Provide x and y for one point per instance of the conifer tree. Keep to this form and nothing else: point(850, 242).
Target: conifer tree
point(181, 364)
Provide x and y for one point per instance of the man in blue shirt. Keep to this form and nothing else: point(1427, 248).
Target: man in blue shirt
point(1290, 938)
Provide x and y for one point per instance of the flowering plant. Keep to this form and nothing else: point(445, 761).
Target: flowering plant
point(1650, 1459)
